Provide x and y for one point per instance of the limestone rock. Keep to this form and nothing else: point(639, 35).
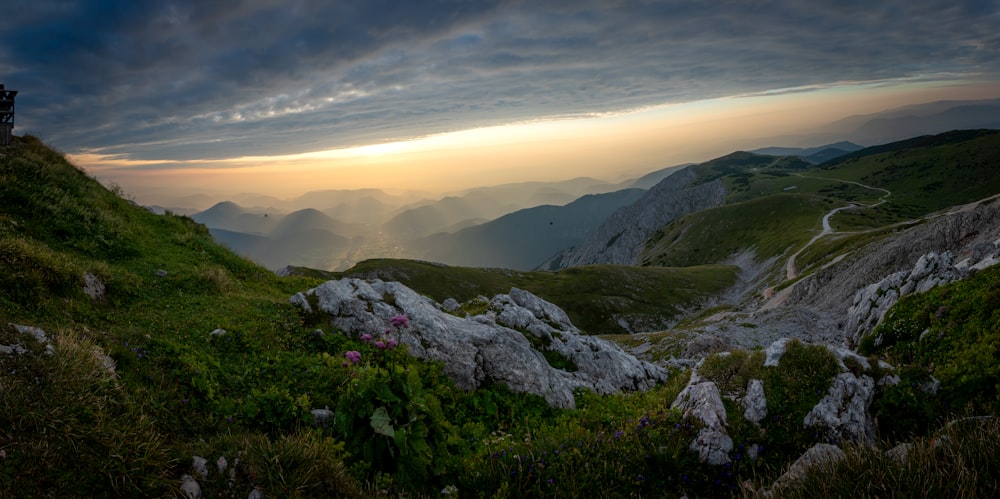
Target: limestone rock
point(621, 238)
point(450, 305)
point(36, 333)
point(94, 287)
point(322, 417)
point(704, 345)
point(871, 303)
point(775, 351)
point(501, 345)
point(701, 400)
point(200, 466)
point(754, 402)
point(966, 236)
point(190, 487)
point(843, 412)
point(817, 455)
point(900, 452)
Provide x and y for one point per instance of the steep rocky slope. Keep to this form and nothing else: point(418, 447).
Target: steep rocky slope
point(620, 239)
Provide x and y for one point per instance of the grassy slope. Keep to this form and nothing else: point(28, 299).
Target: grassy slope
point(776, 204)
point(925, 175)
point(173, 387)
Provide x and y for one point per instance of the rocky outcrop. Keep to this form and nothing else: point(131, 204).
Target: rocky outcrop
point(754, 402)
point(843, 412)
point(969, 235)
point(36, 334)
point(871, 303)
point(817, 455)
point(701, 400)
point(621, 238)
point(502, 345)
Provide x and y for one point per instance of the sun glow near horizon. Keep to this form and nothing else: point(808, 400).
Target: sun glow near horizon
point(605, 146)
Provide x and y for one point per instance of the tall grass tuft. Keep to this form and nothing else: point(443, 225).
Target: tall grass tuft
point(87, 433)
point(961, 460)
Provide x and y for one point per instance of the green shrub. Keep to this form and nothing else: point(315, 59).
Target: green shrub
point(732, 372)
point(801, 379)
point(305, 463)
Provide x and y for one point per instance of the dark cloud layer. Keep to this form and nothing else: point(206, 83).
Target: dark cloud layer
point(194, 79)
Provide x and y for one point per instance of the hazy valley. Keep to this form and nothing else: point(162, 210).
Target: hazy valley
point(521, 226)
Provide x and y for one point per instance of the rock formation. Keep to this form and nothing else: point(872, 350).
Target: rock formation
point(620, 239)
point(871, 303)
point(701, 400)
point(501, 345)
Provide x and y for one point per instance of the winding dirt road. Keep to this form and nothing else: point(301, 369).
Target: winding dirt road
point(791, 272)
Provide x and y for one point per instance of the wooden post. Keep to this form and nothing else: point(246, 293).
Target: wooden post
point(6, 115)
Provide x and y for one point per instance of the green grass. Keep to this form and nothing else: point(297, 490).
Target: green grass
point(961, 460)
point(925, 175)
point(951, 333)
point(769, 226)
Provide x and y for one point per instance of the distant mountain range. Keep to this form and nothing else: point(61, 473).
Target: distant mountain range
point(814, 155)
point(907, 122)
point(524, 239)
point(518, 225)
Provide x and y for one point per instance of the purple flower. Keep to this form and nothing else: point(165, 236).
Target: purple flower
point(400, 321)
point(353, 355)
point(380, 345)
point(391, 343)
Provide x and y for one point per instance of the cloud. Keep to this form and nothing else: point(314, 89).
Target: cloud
point(191, 79)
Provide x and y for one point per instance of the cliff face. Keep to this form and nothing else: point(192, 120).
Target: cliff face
point(620, 239)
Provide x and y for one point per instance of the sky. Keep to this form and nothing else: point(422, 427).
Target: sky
point(287, 96)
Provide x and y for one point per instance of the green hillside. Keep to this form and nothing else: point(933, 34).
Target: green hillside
point(768, 225)
point(925, 175)
point(775, 205)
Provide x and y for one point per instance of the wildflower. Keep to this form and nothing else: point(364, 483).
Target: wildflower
point(367, 338)
point(400, 320)
point(391, 343)
point(640, 477)
point(353, 355)
point(380, 345)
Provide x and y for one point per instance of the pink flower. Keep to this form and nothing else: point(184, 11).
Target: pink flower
point(367, 338)
point(353, 355)
point(400, 321)
point(391, 343)
point(380, 345)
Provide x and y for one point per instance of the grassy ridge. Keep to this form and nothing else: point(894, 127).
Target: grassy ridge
point(769, 226)
point(925, 175)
